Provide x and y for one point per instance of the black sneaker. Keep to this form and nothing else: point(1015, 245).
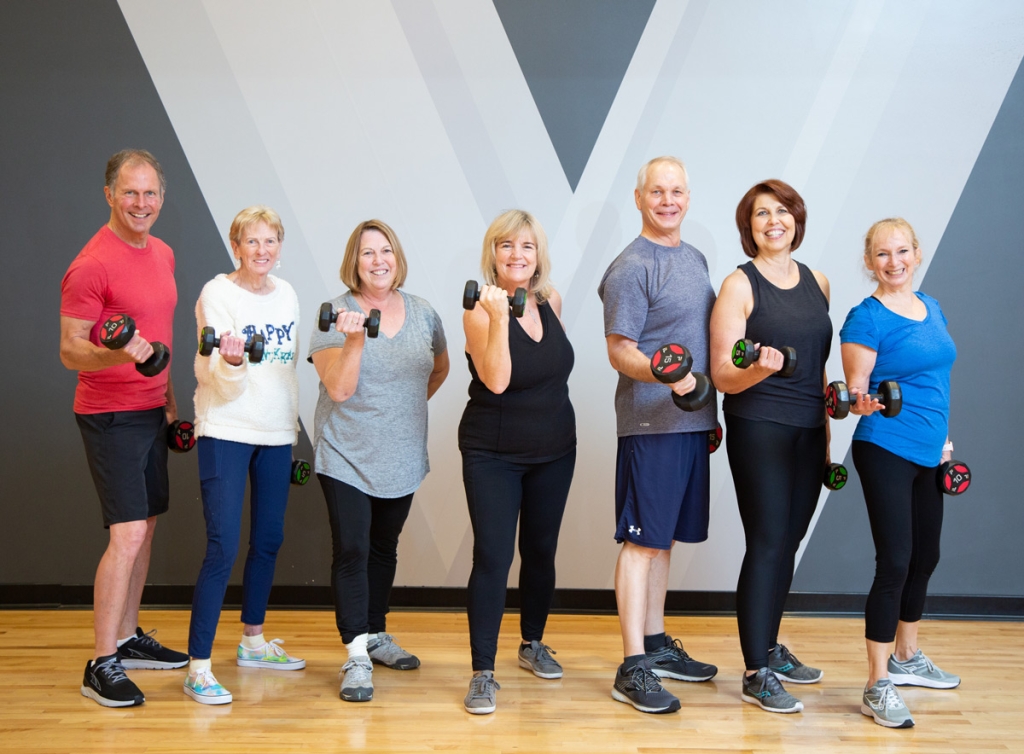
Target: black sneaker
point(671, 661)
point(106, 683)
point(143, 652)
point(640, 687)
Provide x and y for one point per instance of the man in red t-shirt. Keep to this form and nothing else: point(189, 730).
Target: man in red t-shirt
point(122, 413)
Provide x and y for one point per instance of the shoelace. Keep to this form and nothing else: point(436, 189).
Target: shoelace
point(112, 669)
point(365, 670)
point(648, 680)
point(274, 647)
point(890, 698)
point(544, 652)
point(205, 679)
point(147, 639)
point(771, 683)
point(480, 686)
point(787, 655)
point(677, 647)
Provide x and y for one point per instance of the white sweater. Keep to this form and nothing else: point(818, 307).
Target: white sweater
point(257, 404)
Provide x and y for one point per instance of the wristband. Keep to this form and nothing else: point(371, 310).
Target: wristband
point(947, 447)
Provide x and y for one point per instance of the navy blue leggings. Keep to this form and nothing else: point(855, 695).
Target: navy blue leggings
point(223, 468)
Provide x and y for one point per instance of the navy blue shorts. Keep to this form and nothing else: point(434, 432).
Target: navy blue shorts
point(127, 454)
point(662, 489)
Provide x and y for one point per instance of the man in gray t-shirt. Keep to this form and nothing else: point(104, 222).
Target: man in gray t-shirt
point(656, 291)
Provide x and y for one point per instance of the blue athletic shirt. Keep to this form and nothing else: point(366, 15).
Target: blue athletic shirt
point(919, 356)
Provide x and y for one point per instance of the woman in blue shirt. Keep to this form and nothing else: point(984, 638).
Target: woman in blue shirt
point(899, 334)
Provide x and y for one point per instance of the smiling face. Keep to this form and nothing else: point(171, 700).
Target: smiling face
point(257, 250)
point(377, 266)
point(663, 202)
point(515, 260)
point(892, 258)
point(135, 201)
point(772, 225)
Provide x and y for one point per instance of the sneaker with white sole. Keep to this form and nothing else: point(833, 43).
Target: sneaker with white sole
point(205, 689)
point(763, 689)
point(357, 680)
point(641, 687)
point(884, 703)
point(537, 658)
point(920, 671)
point(482, 698)
point(672, 661)
point(143, 652)
point(384, 650)
point(787, 668)
point(271, 655)
point(106, 683)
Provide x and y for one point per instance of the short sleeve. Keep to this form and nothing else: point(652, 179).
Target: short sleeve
point(320, 341)
point(860, 328)
point(623, 293)
point(83, 290)
point(439, 343)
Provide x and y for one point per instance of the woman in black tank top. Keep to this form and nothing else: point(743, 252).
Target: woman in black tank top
point(776, 429)
point(518, 443)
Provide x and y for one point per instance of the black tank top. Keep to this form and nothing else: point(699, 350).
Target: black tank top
point(797, 317)
point(533, 420)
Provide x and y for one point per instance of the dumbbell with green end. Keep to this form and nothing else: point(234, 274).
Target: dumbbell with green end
point(671, 363)
point(329, 315)
point(208, 340)
point(835, 476)
point(301, 471)
point(838, 399)
point(471, 294)
point(745, 352)
point(118, 331)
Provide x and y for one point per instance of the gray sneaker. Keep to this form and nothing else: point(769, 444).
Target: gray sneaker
point(786, 667)
point(482, 696)
point(357, 680)
point(920, 671)
point(383, 650)
point(641, 687)
point(884, 703)
point(764, 690)
point(537, 657)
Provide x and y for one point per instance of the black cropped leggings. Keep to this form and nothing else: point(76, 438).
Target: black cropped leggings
point(777, 471)
point(905, 511)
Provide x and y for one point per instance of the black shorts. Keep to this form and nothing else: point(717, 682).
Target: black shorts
point(127, 454)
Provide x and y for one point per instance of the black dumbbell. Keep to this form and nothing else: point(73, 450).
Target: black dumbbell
point(835, 476)
point(715, 438)
point(954, 477)
point(181, 436)
point(471, 294)
point(208, 340)
point(744, 354)
point(119, 329)
point(301, 471)
point(837, 399)
point(329, 315)
point(671, 363)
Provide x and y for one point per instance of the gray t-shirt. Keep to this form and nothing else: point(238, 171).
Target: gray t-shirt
point(376, 441)
point(655, 295)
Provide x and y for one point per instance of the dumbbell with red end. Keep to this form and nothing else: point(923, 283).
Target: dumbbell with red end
point(208, 340)
point(838, 399)
point(715, 438)
point(301, 471)
point(329, 315)
point(835, 476)
point(954, 477)
point(671, 363)
point(471, 294)
point(745, 353)
point(181, 436)
point(116, 333)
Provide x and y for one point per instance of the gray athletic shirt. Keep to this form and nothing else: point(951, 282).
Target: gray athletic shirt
point(655, 295)
point(376, 441)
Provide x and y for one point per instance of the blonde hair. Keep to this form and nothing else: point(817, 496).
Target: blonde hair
point(350, 262)
point(889, 224)
point(510, 224)
point(250, 216)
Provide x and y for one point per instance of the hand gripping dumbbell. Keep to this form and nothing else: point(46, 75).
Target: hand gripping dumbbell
point(744, 353)
point(954, 477)
point(181, 436)
point(301, 471)
point(329, 315)
point(117, 331)
point(835, 476)
point(715, 437)
point(471, 294)
point(671, 363)
point(208, 340)
point(838, 399)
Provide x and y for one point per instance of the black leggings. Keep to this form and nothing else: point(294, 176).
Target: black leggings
point(364, 536)
point(777, 471)
point(499, 494)
point(905, 511)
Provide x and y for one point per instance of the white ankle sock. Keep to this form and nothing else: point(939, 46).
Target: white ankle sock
point(253, 642)
point(122, 641)
point(357, 647)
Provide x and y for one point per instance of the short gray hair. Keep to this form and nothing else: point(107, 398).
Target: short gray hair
point(641, 177)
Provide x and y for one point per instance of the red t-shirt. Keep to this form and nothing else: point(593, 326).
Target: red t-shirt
point(110, 277)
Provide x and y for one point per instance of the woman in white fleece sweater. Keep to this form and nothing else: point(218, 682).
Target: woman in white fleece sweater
point(246, 422)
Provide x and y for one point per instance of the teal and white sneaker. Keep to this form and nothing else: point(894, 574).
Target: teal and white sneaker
point(270, 655)
point(204, 688)
point(920, 671)
point(787, 668)
point(884, 703)
point(764, 690)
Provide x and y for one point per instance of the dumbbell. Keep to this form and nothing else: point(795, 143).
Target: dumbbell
point(838, 399)
point(835, 476)
point(329, 315)
point(471, 294)
point(119, 329)
point(744, 353)
point(954, 477)
point(208, 340)
point(671, 363)
point(181, 436)
point(715, 438)
point(301, 471)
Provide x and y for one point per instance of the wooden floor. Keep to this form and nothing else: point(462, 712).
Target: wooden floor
point(44, 653)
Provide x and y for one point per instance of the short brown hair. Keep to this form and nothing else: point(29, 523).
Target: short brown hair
point(350, 262)
point(510, 224)
point(132, 157)
point(787, 195)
